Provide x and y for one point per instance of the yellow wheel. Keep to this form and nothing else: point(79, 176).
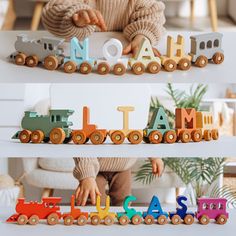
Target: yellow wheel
point(25, 136)
point(138, 68)
point(37, 136)
point(117, 137)
point(33, 220)
point(135, 137)
point(53, 219)
point(22, 220)
point(20, 59)
point(57, 135)
point(32, 61)
point(218, 58)
point(51, 63)
point(70, 67)
point(69, 220)
point(119, 69)
point(85, 68)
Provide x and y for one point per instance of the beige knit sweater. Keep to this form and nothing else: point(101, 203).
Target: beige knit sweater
point(130, 16)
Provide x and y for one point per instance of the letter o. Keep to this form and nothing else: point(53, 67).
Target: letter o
point(112, 43)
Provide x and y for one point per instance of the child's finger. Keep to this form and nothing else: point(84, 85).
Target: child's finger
point(80, 197)
point(75, 17)
point(156, 52)
point(154, 168)
point(92, 16)
point(127, 49)
point(84, 15)
point(85, 197)
point(97, 191)
point(135, 50)
point(93, 197)
point(77, 191)
point(101, 22)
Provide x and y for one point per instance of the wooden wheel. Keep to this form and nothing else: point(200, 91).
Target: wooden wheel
point(136, 220)
point(51, 63)
point(221, 220)
point(162, 220)
point(117, 137)
point(138, 68)
point(33, 220)
point(70, 67)
point(201, 61)
point(97, 137)
point(149, 220)
point(135, 137)
point(154, 67)
point(109, 220)
point(95, 220)
point(215, 134)
point(184, 64)
point(68, 220)
point(155, 137)
point(170, 136)
point(204, 220)
point(170, 65)
point(85, 68)
point(22, 220)
point(25, 136)
point(119, 69)
point(207, 135)
point(79, 137)
point(124, 220)
point(53, 219)
point(185, 136)
point(188, 219)
point(20, 59)
point(57, 135)
point(82, 220)
point(175, 220)
point(218, 58)
point(196, 135)
point(32, 61)
point(103, 68)
point(37, 136)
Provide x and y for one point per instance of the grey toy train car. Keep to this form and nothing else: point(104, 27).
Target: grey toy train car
point(46, 50)
point(205, 47)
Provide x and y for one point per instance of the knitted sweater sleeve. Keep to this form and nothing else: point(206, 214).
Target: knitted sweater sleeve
point(85, 167)
point(57, 19)
point(148, 19)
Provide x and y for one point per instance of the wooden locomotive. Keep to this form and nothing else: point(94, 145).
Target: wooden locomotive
point(50, 53)
point(49, 210)
point(190, 125)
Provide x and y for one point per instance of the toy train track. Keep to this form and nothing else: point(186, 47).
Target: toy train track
point(49, 52)
point(49, 210)
point(190, 125)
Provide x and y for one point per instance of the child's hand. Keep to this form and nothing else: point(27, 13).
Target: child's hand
point(89, 17)
point(135, 44)
point(157, 166)
point(87, 187)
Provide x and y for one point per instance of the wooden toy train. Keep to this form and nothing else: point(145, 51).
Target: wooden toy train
point(190, 125)
point(50, 53)
point(49, 209)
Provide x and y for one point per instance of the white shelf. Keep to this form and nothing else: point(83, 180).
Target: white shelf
point(222, 147)
point(116, 230)
point(210, 74)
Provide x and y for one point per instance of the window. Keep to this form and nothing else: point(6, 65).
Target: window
point(209, 44)
point(216, 43)
point(202, 45)
point(204, 206)
point(58, 118)
point(205, 120)
point(52, 118)
point(45, 46)
point(209, 119)
point(221, 206)
point(50, 47)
